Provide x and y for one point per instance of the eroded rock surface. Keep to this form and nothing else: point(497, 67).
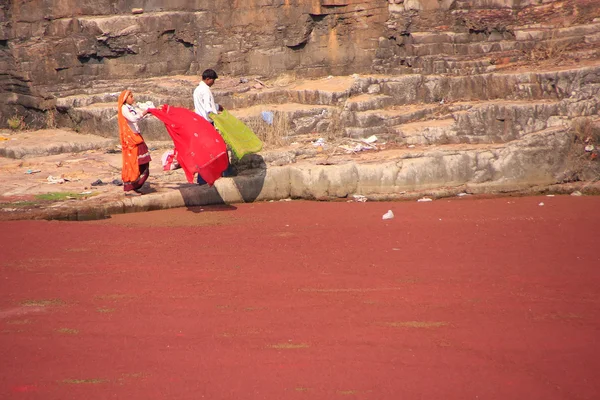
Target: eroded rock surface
point(507, 78)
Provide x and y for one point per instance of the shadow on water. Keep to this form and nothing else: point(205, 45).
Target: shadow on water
point(251, 178)
point(216, 207)
point(247, 184)
point(246, 187)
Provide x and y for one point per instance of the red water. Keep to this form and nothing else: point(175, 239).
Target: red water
point(453, 299)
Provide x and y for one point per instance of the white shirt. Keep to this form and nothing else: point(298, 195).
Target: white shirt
point(132, 115)
point(204, 102)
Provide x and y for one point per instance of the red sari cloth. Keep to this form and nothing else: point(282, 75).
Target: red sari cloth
point(200, 148)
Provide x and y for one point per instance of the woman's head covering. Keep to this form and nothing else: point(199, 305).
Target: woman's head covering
point(129, 138)
point(123, 96)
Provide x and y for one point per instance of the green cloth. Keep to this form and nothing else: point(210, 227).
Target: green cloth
point(236, 134)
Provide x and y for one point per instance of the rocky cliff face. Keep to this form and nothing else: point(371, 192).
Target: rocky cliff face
point(18, 96)
point(56, 46)
point(478, 36)
point(479, 91)
point(45, 43)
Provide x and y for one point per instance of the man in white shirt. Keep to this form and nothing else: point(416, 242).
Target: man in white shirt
point(204, 102)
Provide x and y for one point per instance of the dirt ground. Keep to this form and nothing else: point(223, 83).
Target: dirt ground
point(454, 299)
point(28, 185)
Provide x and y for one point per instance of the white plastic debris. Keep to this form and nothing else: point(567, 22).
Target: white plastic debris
point(541, 204)
point(347, 148)
point(268, 117)
point(359, 198)
point(424, 199)
point(53, 180)
point(359, 145)
point(577, 193)
point(589, 147)
point(370, 139)
point(388, 215)
point(462, 194)
point(319, 142)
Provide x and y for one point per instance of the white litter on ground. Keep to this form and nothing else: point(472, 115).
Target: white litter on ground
point(388, 215)
point(359, 198)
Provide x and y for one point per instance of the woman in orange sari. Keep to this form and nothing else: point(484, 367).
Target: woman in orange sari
point(136, 156)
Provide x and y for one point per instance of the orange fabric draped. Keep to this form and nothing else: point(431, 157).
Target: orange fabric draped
point(129, 143)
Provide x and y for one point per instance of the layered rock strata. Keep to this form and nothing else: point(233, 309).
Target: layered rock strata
point(504, 75)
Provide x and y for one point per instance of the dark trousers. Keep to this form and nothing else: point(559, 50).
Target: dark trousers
point(139, 182)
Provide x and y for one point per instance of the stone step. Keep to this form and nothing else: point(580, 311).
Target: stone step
point(552, 33)
point(290, 119)
point(230, 92)
point(529, 85)
point(465, 5)
point(336, 91)
point(364, 102)
point(464, 65)
point(504, 120)
point(49, 142)
point(101, 119)
point(333, 90)
point(515, 34)
point(475, 122)
point(532, 160)
point(490, 122)
point(363, 105)
point(459, 49)
point(436, 66)
point(429, 132)
point(381, 132)
point(296, 119)
point(427, 52)
point(389, 116)
point(64, 104)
